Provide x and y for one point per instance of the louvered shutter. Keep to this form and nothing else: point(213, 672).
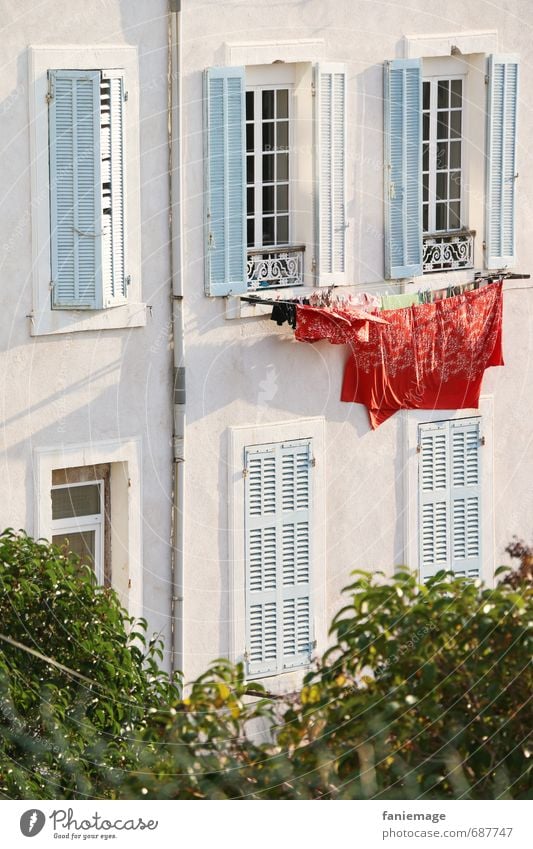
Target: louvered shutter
point(403, 168)
point(434, 499)
point(330, 90)
point(450, 498)
point(278, 567)
point(465, 507)
point(75, 189)
point(501, 161)
point(224, 100)
point(113, 188)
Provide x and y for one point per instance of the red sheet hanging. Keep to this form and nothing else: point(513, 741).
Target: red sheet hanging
point(427, 357)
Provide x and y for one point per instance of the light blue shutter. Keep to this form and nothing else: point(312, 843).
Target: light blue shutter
point(278, 565)
point(330, 88)
point(434, 499)
point(113, 188)
point(75, 189)
point(403, 168)
point(224, 99)
point(501, 161)
point(450, 498)
point(465, 505)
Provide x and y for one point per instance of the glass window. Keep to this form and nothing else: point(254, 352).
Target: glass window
point(442, 101)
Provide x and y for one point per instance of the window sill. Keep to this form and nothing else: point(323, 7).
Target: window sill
point(50, 322)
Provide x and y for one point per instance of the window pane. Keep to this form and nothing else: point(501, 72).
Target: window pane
point(440, 217)
point(268, 199)
point(249, 137)
point(283, 166)
point(282, 135)
point(456, 93)
point(82, 544)
point(268, 104)
point(249, 105)
point(425, 215)
point(71, 501)
point(442, 180)
point(426, 87)
point(425, 158)
point(455, 215)
point(268, 168)
point(268, 231)
point(442, 155)
point(282, 199)
point(282, 98)
point(455, 155)
point(268, 136)
point(442, 125)
point(443, 94)
point(250, 169)
point(425, 186)
point(455, 185)
point(283, 230)
point(250, 198)
point(455, 120)
point(250, 232)
point(425, 128)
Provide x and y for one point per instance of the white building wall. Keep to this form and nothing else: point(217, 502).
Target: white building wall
point(101, 386)
point(250, 372)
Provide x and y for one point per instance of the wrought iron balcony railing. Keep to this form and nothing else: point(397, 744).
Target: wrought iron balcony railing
point(279, 265)
point(446, 251)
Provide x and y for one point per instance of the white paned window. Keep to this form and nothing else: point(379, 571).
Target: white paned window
point(268, 156)
point(78, 522)
point(449, 481)
point(278, 579)
point(442, 154)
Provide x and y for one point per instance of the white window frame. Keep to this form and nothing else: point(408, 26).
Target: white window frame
point(258, 158)
point(410, 423)
point(43, 319)
point(78, 524)
point(239, 439)
point(434, 80)
point(124, 458)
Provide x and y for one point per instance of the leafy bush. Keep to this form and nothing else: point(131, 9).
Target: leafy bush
point(425, 693)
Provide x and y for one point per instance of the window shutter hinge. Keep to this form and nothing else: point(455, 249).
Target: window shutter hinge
point(486, 79)
point(50, 93)
point(482, 440)
point(245, 473)
point(313, 264)
point(313, 90)
point(312, 461)
point(127, 280)
point(312, 645)
point(418, 448)
point(245, 655)
point(126, 95)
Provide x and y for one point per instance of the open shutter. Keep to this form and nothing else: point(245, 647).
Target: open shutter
point(450, 498)
point(225, 155)
point(75, 189)
point(330, 89)
point(278, 567)
point(501, 161)
point(403, 168)
point(113, 188)
point(465, 497)
point(434, 499)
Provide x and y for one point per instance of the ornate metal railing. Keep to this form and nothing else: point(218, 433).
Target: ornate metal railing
point(275, 266)
point(449, 251)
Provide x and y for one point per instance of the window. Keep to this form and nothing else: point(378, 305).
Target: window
point(430, 218)
point(442, 104)
point(84, 133)
point(449, 480)
point(264, 138)
point(278, 492)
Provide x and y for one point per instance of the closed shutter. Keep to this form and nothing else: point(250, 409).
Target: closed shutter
point(224, 99)
point(501, 161)
point(278, 565)
point(75, 189)
point(330, 89)
point(113, 188)
point(403, 168)
point(450, 498)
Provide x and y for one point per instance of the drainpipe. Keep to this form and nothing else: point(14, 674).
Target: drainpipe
point(176, 271)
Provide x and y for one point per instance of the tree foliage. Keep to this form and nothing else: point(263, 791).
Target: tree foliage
point(425, 693)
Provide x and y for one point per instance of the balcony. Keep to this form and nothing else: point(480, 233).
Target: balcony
point(447, 251)
point(276, 266)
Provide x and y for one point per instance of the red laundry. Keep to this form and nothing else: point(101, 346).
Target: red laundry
point(339, 325)
point(427, 357)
